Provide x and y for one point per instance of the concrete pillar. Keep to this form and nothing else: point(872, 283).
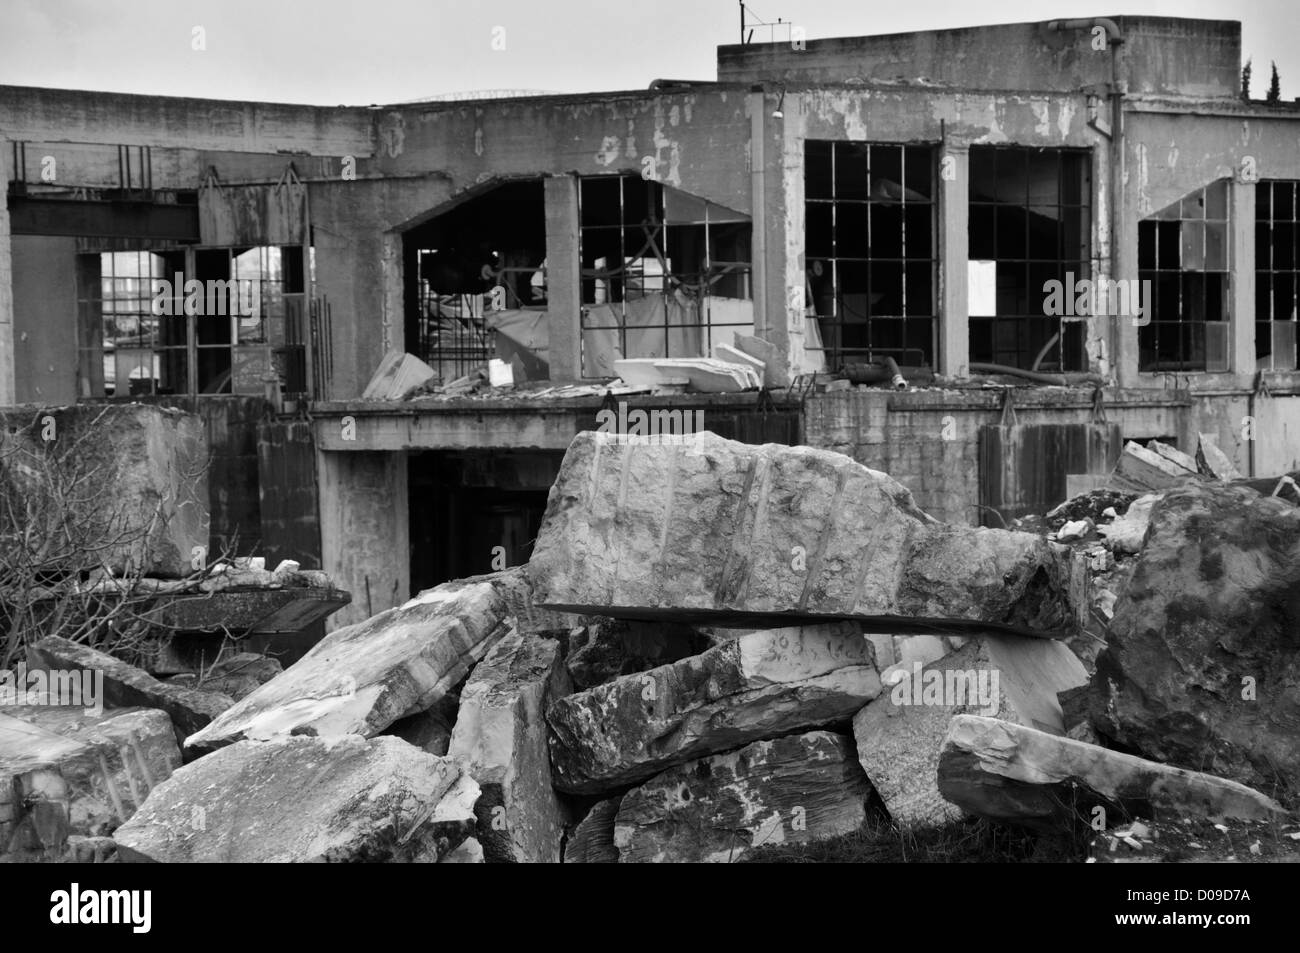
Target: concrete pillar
point(1241, 284)
point(7, 372)
point(365, 529)
point(1124, 267)
point(758, 203)
point(954, 251)
point(563, 278)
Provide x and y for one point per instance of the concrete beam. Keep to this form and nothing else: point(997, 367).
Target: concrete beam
point(456, 430)
point(1241, 261)
point(563, 278)
point(953, 358)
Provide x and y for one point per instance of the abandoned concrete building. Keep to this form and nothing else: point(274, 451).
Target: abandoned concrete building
point(908, 196)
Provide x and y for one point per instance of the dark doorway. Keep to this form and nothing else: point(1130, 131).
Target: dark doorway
point(475, 512)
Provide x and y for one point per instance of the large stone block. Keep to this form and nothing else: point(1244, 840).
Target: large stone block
point(792, 790)
point(711, 526)
point(500, 736)
point(298, 799)
point(899, 735)
point(763, 684)
point(362, 678)
point(1202, 660)
point(66, 773)
point(140, 470)
point(125, 685)
point(1015, 773)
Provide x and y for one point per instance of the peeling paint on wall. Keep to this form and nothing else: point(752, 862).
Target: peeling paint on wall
point(608, 153)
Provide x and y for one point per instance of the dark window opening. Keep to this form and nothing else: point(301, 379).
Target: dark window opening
point(870, 251)
point(1183, 253)
point(664, 273)
point(475, 284)
point(1029, 226)
point(1277, 273)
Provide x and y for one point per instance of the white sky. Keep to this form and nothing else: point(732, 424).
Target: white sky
point(358, 52)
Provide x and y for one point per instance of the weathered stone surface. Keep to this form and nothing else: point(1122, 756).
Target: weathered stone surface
point(1202, 660)
point(1014, 773)
point(796, 789)
point(362, 678)
point(145, 464)
point(241, 674)
point(429, 730)
point(899, 735)
point(126, 686)
point(592, 840)
point(1125, 534)
point(604, 649)
point(759, 685)
point(1144, 470)
point(298, 799)
point(67, 773)
point(647, 530)
point(1212, 461)
point(500, 736)
point(470, 851)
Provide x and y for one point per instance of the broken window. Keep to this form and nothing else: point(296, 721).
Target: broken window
point(870, 234)
point(1277, 273)
point(476, 284)
point(1183, 253)
point(191, 321)
point(664, 273)
point(1029, 226)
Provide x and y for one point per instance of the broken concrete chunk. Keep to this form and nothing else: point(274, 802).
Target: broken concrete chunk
point(760, 685)
point(718, 527)
point(500, 736)
point(592, 840)
point(1212, 461)
point(241, 674)
point(362, 678)
point(710, 376)
point(1183, 461)
point(1011, 772)
point(1200, 658)
point(297, 799)
point(1125, 534)
point(733, 355)
point(792, 790)
point(776, 372)
point(1144, 470)
point(126, 686)
point(899, 734)
point(67, 773)
point(398, 374)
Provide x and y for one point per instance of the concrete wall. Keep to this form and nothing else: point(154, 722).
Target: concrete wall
point(1163, 55)
point(45, 319)
point(929, 440)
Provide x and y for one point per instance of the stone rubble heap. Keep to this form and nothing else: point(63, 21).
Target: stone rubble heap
point(718, 648)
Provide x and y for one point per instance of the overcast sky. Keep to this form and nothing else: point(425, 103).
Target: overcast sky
point(358, 52)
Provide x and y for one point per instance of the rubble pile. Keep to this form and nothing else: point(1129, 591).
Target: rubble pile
point(718, 648)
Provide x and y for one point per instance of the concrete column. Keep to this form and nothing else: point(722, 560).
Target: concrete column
point(7, 372)
point(758, 203)
point(365, 530)
point(1124, 267)
point(954, 251)
point(563, 278)
point(1241, 284)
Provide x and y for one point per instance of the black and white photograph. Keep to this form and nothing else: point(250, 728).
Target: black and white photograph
point(788, 432)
